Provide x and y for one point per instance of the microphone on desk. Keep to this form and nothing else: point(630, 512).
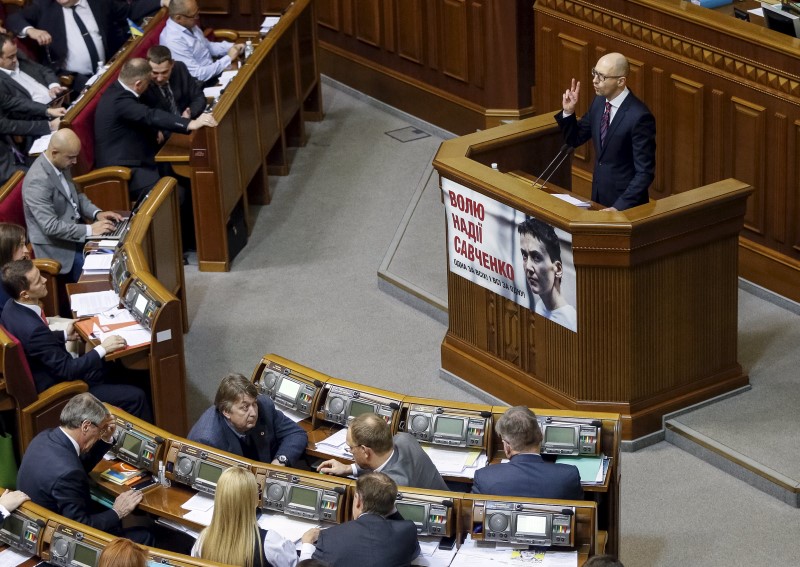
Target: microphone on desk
point(447, 503)
point(339, 489)
point(394, 405)
point(565, 150)
point(486, 414)
point(318, 383)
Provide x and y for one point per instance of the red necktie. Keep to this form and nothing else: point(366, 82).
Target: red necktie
point(604, 122)
point(41, 312)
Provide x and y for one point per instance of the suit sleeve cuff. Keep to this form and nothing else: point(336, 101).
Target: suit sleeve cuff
point(88, 230)
point(565, 114)
point(4, 513)
point(100, 351)
point(307, 550)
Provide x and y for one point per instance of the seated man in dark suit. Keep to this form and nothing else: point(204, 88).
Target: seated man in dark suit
point(526, 474)
point(172, 88)
point(75, 36)
point(371, 539)
point(374, 449)
point(47, 356)
point(19, 76)
point(248, 424)
point(55, 469)
point(126, 129)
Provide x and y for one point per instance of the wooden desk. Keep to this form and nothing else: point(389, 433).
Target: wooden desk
point(260, 115)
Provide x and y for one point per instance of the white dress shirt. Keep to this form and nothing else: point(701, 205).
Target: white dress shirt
point(39, 92)
point(99, 348)
point(192, 47)
point(78, 60)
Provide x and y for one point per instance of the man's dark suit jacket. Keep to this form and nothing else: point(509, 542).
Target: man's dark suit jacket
point(55, 477)
point(41, 74)
point(188, 92)
point(625, 167)
point(530, 476)
point(111, 16)
point(48, 359)
point(18, 117)
point(273, 434)
point(125, 131)
point(369, 541)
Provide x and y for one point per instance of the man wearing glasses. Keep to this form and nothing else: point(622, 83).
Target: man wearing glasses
point(186, 41)
point(55, 469)
point(623, 132)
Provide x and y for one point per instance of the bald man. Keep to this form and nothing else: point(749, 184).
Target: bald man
point(623, 132)
point(59, 217)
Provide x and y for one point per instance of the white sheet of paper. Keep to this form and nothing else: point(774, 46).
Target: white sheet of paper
point(39, 145)
point(202, 517)
point(447, 459)
point(92, 303)
point(108, 243)
point(290, 527)
point(97, 262)
point(572, 200)
point(560, 559)
point(200, 502)
point(134, 335)
point(177, 527)
point(115, 316)
point(212, 92)
point(11, 557)
point(293, 415)
point(336, 445)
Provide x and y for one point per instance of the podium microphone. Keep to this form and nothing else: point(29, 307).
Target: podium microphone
point(565, 148)
point(565, 156)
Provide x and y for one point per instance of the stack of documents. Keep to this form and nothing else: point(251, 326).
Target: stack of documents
point(134, 335)
point(177, 527)
point(290, 527)
point(269, 23)
point(592, 469)
point(477, 554)
point(11, 557)
point(99, 263)
point(40, 145)
point(572, 200)
point(335, 445)
point(201, 509)
point(452, 461)
point(84, 304)
point(430, 554)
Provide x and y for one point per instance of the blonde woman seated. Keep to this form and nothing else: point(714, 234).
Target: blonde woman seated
point(234, 537)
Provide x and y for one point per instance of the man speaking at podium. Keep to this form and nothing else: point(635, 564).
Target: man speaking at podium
point(623, 132)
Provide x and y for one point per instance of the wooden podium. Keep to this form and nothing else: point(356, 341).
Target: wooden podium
point(656, 290)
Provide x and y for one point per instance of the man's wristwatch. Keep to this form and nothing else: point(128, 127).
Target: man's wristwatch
point(283, 460)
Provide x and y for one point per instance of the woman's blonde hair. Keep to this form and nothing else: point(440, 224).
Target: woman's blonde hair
point(233, 533)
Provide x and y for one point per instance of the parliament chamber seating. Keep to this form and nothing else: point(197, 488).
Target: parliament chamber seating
point(34, 412)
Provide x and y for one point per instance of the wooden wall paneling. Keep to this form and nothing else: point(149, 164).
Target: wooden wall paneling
point(657, 106)
point(468, 310)
point(574, 62)
point(685, 134)
point(248, 140)
point(347, 16)
point(493, 337)
point(748, 121)
point(388, 21)
point(368, 22)
point(716, 141)
point(408, 20)
point(793, 210)
point(224, 6)
point(434, 38)
point(777, 177)
point(510, 319)
point(329, 14)
point(228, 159)
point(476, 46)
point(455, 39)
point(310, 86)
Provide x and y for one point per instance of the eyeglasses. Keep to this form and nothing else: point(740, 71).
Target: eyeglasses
point(600, 77)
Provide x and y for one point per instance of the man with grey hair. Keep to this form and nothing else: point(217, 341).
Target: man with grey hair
point(55, 469)
point(526, 473)
point(245, 423)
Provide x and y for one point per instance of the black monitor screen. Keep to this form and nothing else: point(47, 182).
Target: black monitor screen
point(779, 22)
point(559, 435)
point(451, 426)
point(208, 473)
point(531, 525)
point(304, 497)
point(357, 408)
point(131, 444)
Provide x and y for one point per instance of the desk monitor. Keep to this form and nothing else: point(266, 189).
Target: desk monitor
point(781, 20)
point(141, 303)
point(295, 493)
point(346, 400)
point(448, 426)
point(288, 387)
point(525, 523)
point(22, 530)
point(433, 515)
point(72, 548)
point(570, 436)
point(136, 446)
point(196, 467)
point(120, 272)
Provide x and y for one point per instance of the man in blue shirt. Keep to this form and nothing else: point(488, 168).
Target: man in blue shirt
point(188, 44)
